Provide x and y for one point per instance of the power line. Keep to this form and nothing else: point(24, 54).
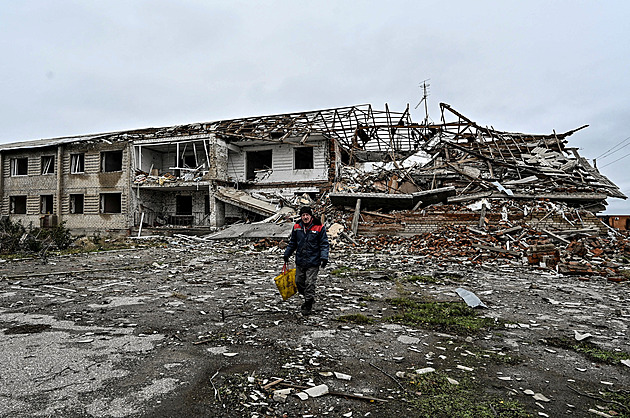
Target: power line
point(610, 151)
point(612, 162)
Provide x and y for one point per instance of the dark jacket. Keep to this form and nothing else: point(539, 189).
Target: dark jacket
point(310, 244)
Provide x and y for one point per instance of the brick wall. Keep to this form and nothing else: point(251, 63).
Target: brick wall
point(418, 223)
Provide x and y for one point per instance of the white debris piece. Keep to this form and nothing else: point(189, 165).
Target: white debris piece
point(316, 391)
point(280, 395)
point(470, 298)
point(600, 413)
point(468, 369)
point(230, 354)
point(452, 381)
point(302, 395)
point(405, 339)
point(343, 376)
point(626, 362)
point(541, 397)
point(425, 370)
point(581, 337)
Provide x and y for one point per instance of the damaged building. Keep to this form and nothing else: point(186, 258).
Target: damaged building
point(395, 175)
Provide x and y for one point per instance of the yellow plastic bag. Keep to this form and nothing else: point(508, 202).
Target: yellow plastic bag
point(286, 282)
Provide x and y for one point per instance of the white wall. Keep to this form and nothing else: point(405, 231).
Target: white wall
point(282, 163)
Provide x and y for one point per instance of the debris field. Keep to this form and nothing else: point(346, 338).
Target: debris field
point(194, 326)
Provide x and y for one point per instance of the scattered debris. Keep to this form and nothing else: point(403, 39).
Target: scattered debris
point(470, 298)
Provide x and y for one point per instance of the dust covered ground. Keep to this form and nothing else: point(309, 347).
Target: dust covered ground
point(192, 328)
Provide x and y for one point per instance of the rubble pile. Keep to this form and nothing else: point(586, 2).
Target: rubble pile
point(142, 177)
point(479, 162)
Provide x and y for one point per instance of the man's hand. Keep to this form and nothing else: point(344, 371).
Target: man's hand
point(324, 262)
point(286, 258)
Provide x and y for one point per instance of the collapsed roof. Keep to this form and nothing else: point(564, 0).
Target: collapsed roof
point(479, 162)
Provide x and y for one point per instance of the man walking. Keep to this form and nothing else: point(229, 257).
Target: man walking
point(310, 244)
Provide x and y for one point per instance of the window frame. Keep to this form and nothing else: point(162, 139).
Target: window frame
point(47, 164)
point(73, 203)
point(309, 164)
point(44, 201)
point(106, 156)
point(77, 159)
point(17, 165)
point(103, 204)
point(12, 204)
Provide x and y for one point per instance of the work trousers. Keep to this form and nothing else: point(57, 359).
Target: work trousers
point(305, 280)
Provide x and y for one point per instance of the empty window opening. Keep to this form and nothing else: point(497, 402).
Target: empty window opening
point(189, 161)
point(19, 166)
point(183, 205)
point(111, 203)
point(17, 204)
point(76, 203)
point(303, 158)
point(111, 161)
point(206, 204)
point(46, 204)
point(48, 164)
point(77, 163)
point(258, 161)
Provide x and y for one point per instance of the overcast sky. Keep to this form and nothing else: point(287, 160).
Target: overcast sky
point(79, 67)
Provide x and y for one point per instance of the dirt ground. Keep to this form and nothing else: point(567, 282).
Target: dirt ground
point(191, 328)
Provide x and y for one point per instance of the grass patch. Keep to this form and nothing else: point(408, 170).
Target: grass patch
point(445, 316)
point(589, 350)
point(419, 278)
point(439, 398)
point(355, 319)
point(618, 398)
point(341, 271)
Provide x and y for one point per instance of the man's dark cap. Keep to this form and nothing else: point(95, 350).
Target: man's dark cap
point(306, 209)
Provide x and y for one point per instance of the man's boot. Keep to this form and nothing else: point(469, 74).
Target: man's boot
point(307, 307)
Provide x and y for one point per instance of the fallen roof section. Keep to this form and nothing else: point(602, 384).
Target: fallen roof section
point(248, 202)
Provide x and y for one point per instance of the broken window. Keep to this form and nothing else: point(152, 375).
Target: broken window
point(111, 161)
point(76, 203)
point(183, 205)
point(111, 203)
point(189, 161)
point(19, 166)
point(258, 161)
point(17, 204)
point(46, 204)
point(48, 164)
point(206, 204)
point(303, 158)
point(77, 163)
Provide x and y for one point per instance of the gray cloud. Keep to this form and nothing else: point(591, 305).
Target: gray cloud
point(72, 67)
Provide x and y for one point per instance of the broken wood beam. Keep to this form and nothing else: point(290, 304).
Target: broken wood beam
point(509, 230)
point(556, 237)
point(355, 218)
point(482, 216)
point(382, 215)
